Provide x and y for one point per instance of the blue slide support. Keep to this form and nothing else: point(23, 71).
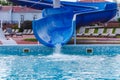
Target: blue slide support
point(58, 24)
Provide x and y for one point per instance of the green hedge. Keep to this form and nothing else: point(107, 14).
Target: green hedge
point(30, 39)
point(86, 30)
point(96, 30)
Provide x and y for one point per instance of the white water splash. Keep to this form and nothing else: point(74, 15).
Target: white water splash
point(57, 52)
point(59, 56)
point(57, 49)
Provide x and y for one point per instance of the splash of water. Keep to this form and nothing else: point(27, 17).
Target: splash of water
point(57, 49)
point(57, 52)
point(59, 56)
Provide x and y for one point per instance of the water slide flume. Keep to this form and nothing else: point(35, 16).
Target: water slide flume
point(54, 29)
point(56, 26)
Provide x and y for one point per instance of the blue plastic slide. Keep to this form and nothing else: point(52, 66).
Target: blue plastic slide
point(54, 29)
point(56, 26)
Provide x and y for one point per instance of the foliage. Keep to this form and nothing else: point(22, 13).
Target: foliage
point(96, 30)
point(15, 26)
point(114, 29)
point(118, 36)
point(20, 30)
point(30, 39)
point(26, 25)
point(118, 19)
point(105, 30)
point(2, 2)
point(86, 30)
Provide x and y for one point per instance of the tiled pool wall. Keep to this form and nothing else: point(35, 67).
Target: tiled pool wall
point(26, 50)
point(97, 49)
point(92, 49)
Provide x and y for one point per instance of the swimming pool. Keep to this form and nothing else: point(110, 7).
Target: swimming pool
point(81, 62)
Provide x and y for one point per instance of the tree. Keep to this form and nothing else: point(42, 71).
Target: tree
point(3, 2)
point(118, 20)
point(26, 25)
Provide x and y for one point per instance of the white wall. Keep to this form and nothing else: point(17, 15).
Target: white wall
point(11, 16)
point(27, 16)
point(5, 15)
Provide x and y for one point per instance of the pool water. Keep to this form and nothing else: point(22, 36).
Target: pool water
point(60, 66)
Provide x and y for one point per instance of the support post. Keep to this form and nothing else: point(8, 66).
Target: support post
point(19, 24)
point(74, 26)
point(1, 24)
point(56, 3)
point(75, 33)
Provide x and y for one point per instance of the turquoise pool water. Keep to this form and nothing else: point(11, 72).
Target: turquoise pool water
point(81, 62)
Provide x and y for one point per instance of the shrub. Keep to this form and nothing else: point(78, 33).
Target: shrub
point(96, 30)
point(118, 19)
point(4, 2)
point(105, 30)
point(25, 25)
point(15, 26)
point(30, 39)
point(114, 29)
point(86, 30)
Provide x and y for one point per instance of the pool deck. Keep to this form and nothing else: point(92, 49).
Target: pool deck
point(20, 39)
point(80, 40)
point(95, 40)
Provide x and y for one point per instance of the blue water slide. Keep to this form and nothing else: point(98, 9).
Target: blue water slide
point(56, 25)
point(54, 29)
